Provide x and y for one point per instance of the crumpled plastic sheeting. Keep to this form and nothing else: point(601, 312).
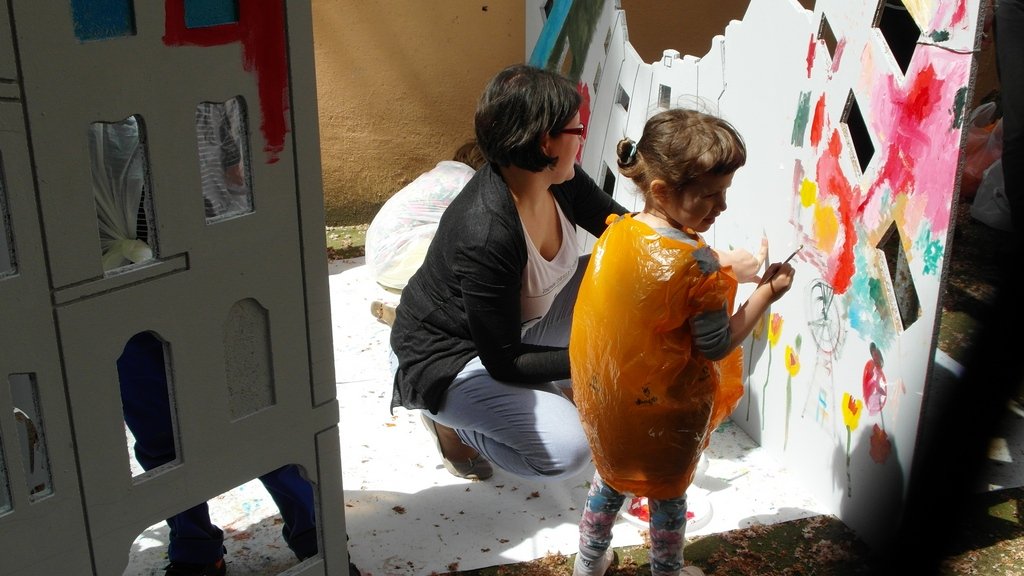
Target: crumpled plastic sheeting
point(398, 237)
point(647, 398)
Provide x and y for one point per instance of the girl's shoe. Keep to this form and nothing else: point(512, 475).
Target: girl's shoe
point(597, 568)
point(472, 469)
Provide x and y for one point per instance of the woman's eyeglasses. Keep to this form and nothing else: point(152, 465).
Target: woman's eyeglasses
point(578, 130)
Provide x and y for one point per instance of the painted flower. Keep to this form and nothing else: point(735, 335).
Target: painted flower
point(792, 367)
point(851, 417)
point(774, 331)
point(792, 361)
point(851, 411)
point(774, 328)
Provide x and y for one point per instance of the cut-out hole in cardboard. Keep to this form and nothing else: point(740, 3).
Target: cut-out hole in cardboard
point(121, 191)
point(826, 34)
point(902, 281)
point(222, 137)
point(900, 31)
point(664, 96)
point(608, 182)
point(147, 402)
point(102, 19)
point(8, 258)
point(622, 97)
point(853, 122)
point(35, 458)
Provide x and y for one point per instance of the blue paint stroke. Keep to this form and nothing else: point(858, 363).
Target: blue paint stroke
point(552, 28)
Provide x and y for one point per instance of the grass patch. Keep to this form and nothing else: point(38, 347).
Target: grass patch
point(345, 242)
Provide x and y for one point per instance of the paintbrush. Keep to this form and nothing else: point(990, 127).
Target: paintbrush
point(788, 258)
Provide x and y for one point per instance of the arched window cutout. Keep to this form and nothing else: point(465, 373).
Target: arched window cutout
point(8, 259)
point(148, 405)
point(222, 136)
point(248, 363)
point(121, 190)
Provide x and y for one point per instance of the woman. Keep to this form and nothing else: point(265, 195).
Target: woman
point(481, 332)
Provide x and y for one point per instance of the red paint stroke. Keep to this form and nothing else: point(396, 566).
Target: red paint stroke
point(832, 182)
point(584, 91)
point(818, 123)
point(909, 142)
point(811, 47)
point(840, 48)
point(260, 29)
point(960, 13)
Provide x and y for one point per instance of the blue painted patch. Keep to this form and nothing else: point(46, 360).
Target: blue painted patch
point(552, 28)
point(206, 13)
point(102, 19)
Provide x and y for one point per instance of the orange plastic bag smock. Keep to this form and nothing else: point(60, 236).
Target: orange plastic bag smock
point(647, 398)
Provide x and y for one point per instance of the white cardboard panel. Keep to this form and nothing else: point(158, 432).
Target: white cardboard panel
point(837, 390)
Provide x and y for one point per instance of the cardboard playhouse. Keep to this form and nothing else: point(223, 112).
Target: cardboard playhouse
point(854, 114)
point(159, 174)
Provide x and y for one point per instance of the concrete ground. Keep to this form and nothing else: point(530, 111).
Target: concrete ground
point(408, 516)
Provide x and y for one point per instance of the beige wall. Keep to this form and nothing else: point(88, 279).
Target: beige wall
point(397, 84)
point(656, 25)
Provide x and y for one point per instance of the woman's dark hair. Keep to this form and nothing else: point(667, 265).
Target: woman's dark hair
point(519, 106)
point(679, 146)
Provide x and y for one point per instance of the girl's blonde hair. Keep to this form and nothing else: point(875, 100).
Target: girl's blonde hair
point(679, 146)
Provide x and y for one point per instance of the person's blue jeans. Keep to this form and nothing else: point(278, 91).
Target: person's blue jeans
point(530, 430)
point(147, 412)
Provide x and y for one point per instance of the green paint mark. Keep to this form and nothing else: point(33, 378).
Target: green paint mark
point(959, 105)
point(931, 250)
point(803, 111)
point(939, 35)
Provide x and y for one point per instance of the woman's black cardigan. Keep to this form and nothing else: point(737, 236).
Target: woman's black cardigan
point(464, 300)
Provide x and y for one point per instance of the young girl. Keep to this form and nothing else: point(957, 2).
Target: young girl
point(653, 347)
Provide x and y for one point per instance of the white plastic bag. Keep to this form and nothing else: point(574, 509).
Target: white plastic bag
point(984, 146)
point(991, 207)
point(398, 237)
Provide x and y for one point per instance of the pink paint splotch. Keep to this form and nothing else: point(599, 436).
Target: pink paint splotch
point(920, 123)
